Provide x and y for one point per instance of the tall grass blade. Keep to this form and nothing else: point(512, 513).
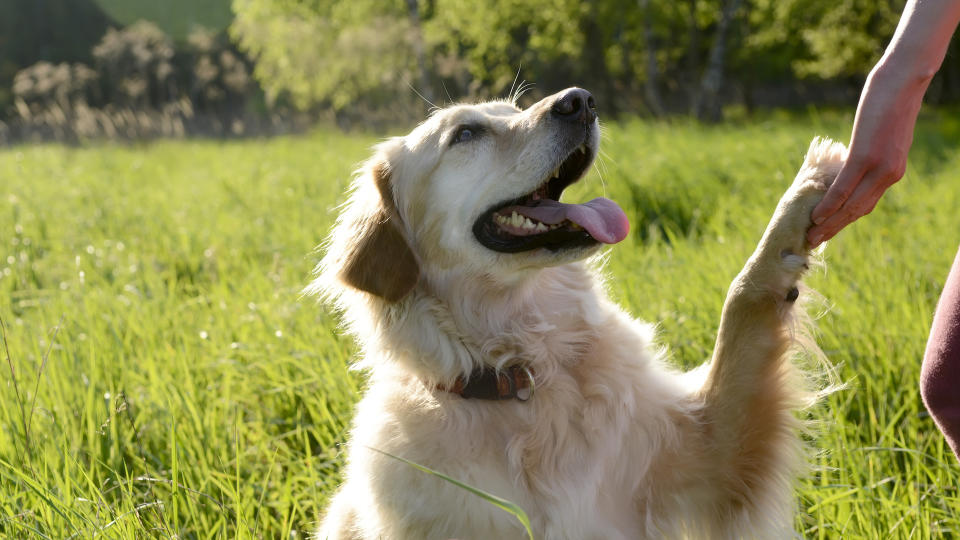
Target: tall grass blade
point(500, 503)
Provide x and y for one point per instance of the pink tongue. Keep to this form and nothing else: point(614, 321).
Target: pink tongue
point(601, 217)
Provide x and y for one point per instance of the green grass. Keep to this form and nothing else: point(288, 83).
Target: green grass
point(170, 380)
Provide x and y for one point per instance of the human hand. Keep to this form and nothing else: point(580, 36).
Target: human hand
point(877, 158)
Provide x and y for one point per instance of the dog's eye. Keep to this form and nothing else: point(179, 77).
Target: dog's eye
point(464, 134)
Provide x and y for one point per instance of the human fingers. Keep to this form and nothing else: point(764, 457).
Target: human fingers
point(842, 188)
point(860, 203)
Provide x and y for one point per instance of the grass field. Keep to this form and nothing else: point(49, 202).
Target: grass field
point(164, 377)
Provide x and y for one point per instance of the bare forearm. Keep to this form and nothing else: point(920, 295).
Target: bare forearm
point(920, 43)
point(887, 114)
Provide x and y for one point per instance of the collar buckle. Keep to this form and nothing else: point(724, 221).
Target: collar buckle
point(514, 382)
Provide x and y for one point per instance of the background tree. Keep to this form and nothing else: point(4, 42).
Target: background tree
point(177, 18)
point(54, 31)
point(636, 55)
point(141, 84)
point(381, 62)
point(346, 56)
point(707, 105)
point(136, 64)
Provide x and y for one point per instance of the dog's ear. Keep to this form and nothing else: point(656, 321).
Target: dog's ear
point(379, 259)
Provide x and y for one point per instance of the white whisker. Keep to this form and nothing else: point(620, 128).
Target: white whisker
point(433, 106)
point(447, 92)
point(597, 163)
point(510, 94)
point(521, 90)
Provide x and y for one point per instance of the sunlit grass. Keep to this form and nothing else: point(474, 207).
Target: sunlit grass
point(173, 381)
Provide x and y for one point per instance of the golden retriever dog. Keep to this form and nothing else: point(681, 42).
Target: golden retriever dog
point(495, 356)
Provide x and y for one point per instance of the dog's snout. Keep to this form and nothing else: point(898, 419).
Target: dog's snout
point(575, 105)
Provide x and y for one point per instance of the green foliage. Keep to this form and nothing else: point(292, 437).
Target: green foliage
point(173, 380)
point(65, 31)
point(368, 51)
point(849, 37)
point(137, 63)
point(366, 60)
point(220, 76)
point(341, 54)
point(498, 37)
point(367, 55)
point(141, 88)
point(177, 18)
point(53, 31)
point(44, 85)
point(335, 54)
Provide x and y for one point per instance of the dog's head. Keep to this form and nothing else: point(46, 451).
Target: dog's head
point(475, 188)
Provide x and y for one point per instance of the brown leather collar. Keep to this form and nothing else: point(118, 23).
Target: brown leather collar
point(515, 382)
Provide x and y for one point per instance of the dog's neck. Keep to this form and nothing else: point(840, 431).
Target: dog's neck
point(449, 327)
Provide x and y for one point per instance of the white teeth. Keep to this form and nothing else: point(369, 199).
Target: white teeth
point(556, 173)
point(583, 148)
point(518, 221)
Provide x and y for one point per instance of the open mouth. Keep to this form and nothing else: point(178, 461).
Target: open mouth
point(540, 220)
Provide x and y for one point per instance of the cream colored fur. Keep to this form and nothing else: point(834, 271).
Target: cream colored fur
point(615, 443)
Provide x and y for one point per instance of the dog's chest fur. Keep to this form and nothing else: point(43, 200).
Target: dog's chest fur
point(580, 439)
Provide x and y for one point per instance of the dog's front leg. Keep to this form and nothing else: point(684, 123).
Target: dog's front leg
point(754, 333)
point(749, 394)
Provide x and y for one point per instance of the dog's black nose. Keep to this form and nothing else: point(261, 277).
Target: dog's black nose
point(575, 105)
